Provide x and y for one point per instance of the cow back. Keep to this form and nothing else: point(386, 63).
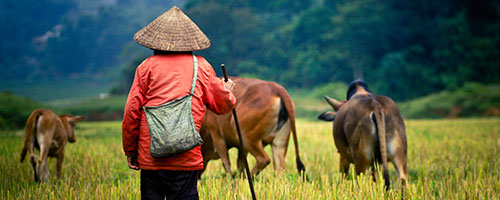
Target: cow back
point(255, 99)
point(360, 107)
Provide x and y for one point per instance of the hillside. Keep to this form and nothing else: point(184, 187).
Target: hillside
point(472, 100)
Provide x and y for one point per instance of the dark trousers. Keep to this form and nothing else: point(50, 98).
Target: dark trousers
point(161, 184)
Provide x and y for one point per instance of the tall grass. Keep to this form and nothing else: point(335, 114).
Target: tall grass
point(447, 159)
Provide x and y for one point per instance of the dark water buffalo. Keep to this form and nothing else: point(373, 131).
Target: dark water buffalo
point(267, 116)
point(368, 129)
point(49, 133)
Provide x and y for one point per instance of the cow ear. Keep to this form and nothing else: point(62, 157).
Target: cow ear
point(76, 119)
point(327, 116)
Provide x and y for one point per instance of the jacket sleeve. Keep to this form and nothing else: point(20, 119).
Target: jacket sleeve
point(217, 98)
point(132, 115)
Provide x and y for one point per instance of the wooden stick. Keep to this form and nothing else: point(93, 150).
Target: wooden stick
point(242, 149)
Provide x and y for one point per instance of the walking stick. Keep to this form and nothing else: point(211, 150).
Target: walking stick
point(250, 181)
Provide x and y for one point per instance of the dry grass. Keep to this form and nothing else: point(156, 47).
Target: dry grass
point(448, 159)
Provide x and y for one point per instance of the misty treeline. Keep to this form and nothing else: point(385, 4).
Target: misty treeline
point(404, 49)
point(54, 39)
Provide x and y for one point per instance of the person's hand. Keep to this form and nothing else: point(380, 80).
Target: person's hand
point(132, 163)
point(229, 84)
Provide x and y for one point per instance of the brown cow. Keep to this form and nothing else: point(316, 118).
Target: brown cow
point(266, 114)
point(367, 129)
point(49, 133)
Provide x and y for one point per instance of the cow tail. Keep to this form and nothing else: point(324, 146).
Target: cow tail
point(379, 121)
point(30, 131)
point(290, 107)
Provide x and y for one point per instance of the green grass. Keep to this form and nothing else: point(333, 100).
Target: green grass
point(447, 159)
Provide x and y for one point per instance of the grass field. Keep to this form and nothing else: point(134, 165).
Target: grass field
point(447, 159)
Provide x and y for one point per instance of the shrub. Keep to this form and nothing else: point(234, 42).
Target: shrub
point(99, 109)
point(14, 110)
point(472, 100)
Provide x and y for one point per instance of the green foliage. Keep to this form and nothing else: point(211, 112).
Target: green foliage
point(14, 110)
point(231, 30)
point(99, 109)
point(126, 79)
point(396, 71)
point(309, 103)
point(472, 99)
point(467, 56)
point(89, 38)
point(403, 49)
point(68, 90)
point(22, 21)
point(336, 90)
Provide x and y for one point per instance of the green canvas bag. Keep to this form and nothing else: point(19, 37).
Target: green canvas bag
point(171, 125)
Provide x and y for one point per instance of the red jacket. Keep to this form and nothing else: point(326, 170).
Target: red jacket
point(162, 78)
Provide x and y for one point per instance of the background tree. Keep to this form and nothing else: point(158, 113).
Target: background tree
point(404, 49)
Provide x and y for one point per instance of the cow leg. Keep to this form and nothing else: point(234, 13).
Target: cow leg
point(261, 157)
point(32, 154)
point(363, 155)
point(344, 165)
point(279, 154)
point(222, 150)
point(364, 138)
point(59, 162)
point(33, 161)
point(279, 146)
point(401, 167)
point(399, 161)
point(42, 168)
point(241, 162)
point(361, 165)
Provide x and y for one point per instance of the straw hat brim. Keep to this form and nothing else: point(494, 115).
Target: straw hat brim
point(172, 31)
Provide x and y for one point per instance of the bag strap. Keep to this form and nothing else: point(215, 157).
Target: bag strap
point(195, 74)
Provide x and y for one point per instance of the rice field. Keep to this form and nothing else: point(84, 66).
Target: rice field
point(447, 159)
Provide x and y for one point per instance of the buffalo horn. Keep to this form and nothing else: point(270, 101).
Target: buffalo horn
point(333, 102)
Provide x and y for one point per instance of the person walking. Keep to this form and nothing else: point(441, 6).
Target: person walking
point(155, 123)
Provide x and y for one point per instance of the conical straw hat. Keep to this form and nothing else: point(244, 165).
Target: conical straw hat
point(172, 31)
